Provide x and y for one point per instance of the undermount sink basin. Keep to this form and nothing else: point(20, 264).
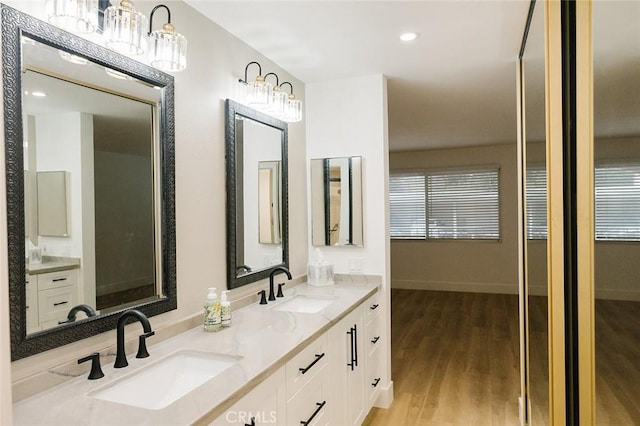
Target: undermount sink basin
point(164, 382)
point(305, 304)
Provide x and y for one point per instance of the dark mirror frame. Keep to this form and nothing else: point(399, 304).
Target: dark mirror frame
point(232, 109)
point(14, 25)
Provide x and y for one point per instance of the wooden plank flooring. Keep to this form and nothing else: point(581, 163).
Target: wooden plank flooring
point(454, 359)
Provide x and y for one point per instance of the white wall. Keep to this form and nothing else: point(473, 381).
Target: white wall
point(216, 60)
point(348, 118)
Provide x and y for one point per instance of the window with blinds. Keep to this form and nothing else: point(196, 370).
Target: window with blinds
point(536, 202)
point(460, 204)
point(406, 204)
point(617, 200)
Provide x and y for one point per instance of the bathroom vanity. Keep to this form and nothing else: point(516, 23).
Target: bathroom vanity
point(312, 356)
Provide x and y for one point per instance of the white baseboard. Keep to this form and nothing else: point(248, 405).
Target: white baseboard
point(467, 287)
point(611, 294)
point(385, 398)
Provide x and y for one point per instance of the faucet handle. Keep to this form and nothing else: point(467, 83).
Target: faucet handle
point(263, 297)
point(280, 294)
point(142, 344)
point(96, 370)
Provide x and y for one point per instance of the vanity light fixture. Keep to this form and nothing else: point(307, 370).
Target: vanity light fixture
point(75, 16)
point(258, 91)
point(293, 108)
point(74, 59)
point(125, 29)
point(167, 48)
point(277, 99)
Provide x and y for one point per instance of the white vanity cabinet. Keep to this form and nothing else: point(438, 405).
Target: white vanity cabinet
point(56, 293)
point(332, 381)
point(266, 404)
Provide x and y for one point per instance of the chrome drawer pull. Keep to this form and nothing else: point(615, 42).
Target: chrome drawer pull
point(61, 303)
point(59, 279)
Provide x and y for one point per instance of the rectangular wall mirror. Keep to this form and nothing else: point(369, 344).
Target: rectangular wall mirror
point(336, 201)
point(89, 143)
point(257, 230)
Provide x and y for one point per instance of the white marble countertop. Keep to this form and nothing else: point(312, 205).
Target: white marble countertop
point(263, 337)
point(52, 264)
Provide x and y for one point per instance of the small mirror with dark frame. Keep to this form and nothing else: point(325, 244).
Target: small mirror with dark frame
point(90, 243)
point(257, 206)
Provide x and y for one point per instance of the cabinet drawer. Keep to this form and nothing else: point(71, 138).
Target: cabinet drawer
point(305, 365)
point(373, 305)
point(264, 405)
point(57, 279)
point(374, 334)
point(373, 377)
point(309, 406)
point(55, 303)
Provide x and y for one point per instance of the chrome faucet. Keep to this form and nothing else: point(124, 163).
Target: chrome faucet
point(275, 271)
point(121, 357)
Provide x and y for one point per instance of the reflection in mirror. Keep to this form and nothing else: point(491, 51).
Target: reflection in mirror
point(256, 194)
point(535, 222)
point(616, 108)
point(336, 201)
point(92, 157)
point(269, 202)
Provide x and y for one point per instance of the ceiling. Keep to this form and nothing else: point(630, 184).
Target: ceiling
point(455, 85)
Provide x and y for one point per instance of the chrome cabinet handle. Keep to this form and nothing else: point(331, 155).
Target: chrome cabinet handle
point(318, 358)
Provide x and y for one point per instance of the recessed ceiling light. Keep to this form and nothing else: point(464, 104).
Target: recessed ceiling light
point(409, 36)
point(38, 94)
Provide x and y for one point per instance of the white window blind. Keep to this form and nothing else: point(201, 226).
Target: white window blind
point(463, 204)
point(536, 202)
point(445, 204)
point(407, 205)
point(617, 201)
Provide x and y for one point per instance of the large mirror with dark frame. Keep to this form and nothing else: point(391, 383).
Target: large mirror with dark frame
point(257, 230)
point(89, 145)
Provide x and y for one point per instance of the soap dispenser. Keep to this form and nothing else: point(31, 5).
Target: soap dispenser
point(212, 319)
point(225, 309)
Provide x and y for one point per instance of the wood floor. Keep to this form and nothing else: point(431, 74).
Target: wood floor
point(454, 360)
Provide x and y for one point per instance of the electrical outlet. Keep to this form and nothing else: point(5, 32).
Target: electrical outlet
point(355, 265)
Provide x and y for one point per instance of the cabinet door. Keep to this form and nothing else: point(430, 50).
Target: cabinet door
point(348, 358)
point(31, 287)
point(310, 405)
point(266, 404)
